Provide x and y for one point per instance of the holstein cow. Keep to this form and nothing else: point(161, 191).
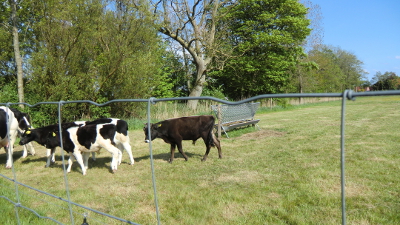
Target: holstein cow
point(10, 124)
point(173, 131)
point(88, 138)
point(23, 125)
point(41, 134)
point(122, 130)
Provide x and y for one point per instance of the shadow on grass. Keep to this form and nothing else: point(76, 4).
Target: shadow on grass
point(166, 156)
point(102, 162)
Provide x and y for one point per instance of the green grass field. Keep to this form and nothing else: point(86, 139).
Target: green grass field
point(287, 172)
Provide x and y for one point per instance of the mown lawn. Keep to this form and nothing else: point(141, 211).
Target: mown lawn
point(287, 172)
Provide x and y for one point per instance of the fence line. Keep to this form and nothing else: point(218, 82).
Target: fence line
point(346, 95)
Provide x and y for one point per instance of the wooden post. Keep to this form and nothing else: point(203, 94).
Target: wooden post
point(270, 105)
point(219, 121)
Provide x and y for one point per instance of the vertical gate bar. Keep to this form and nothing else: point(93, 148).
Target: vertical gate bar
point(153, 176)
point(71, 215)
point(12, 165)
point(342, 158)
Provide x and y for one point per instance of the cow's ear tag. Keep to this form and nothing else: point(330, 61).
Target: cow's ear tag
point(159, 125)
point(54, 134)
point(28, 132)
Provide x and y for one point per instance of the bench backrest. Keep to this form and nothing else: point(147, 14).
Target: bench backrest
point(232, 113)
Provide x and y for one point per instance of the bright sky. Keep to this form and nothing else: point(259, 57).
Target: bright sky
point(370, 29)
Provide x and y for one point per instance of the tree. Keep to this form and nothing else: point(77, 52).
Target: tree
point(351, 67)
point(88, 51)
point(266, 38)
point(386, 81)
point(192, 24)
point(17, 53)
point(328, 77)
point(298, 76)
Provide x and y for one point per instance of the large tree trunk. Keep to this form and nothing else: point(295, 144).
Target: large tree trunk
point(198, 86)
point(18, 59)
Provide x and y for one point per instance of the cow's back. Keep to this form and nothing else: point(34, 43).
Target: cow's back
point(189, 128)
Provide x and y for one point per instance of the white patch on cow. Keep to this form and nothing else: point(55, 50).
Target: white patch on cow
point(12, 130)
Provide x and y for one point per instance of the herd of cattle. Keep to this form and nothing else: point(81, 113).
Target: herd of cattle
point(81, 138)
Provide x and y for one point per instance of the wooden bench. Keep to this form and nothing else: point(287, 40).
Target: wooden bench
point(235, 116)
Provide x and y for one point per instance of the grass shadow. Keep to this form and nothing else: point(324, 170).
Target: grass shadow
point(166, 156)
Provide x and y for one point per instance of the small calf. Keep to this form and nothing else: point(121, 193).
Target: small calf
point(173, 131)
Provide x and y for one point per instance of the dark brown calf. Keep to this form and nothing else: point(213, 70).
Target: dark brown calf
point(173, 131)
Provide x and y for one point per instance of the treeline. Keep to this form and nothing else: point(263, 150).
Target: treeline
point(110, 49)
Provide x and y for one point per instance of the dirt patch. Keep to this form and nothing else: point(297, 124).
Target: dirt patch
point(262, 134)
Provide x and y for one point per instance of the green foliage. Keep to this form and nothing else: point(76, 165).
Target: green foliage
point(386, 81)
point(8, 91)
point(87, 52)
point(266, 37)
point(334, 71)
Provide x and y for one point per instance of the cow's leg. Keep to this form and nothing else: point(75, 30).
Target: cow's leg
point(128, 149)
point(181, 150)
point(9, 151)
point(208, 147)
point(86, 156)
point(31, 150)
point(70, 161)
point(25, 152)
point(120, 151)
point(51, 158)
point(94, 156)
point(78, 157)
point(172, 153)
point(115, 152)
point(216, 143)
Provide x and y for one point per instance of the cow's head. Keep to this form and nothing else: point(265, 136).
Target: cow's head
point(153, 131)
point(24, 125)
point(27, 136)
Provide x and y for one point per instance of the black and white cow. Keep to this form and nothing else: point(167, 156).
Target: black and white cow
point(24, 123)
point(41, 134)
point(89, 138)
point(122, 129)
point(12, 121)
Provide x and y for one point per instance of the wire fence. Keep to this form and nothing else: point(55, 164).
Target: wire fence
point(346, 95)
